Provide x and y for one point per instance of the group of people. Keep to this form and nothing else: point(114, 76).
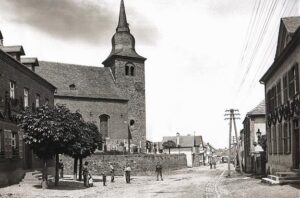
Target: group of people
point(88, 180)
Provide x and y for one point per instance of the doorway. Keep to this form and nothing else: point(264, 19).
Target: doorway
point(296, 145)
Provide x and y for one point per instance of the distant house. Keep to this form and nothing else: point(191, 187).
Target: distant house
point(254, 121)
point(191, 146)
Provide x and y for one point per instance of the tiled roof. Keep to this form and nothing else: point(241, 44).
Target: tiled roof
point(30, 60)
point(185, 141)
point(259, 109)
point(89, 81)
point(291, 23)
point(10, 49)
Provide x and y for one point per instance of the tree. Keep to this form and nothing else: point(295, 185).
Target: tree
point(48, 132)
point(88, 139)
point(169, 144)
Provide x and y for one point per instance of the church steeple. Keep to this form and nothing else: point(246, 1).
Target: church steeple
point(122, 25)
point(123, 43)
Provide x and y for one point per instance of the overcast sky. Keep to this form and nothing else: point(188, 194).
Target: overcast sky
point(202, 56)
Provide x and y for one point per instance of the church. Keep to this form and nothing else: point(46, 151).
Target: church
point(113, 96)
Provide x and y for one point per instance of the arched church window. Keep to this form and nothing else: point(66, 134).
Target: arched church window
point(104, 125)
point(127, 70)
point(132, 70)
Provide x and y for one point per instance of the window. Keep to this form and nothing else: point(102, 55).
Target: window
point(46, 101)
point(280, 140)
point(26, 100)
point(37, 100)
point(132, 71)
point(12, 89)
point(285, 89)
point(72, 87)
point(285, 137)
point(270, 141)
point(13, 140)
point(274, 140)
point(129, 69)
point(104, 125)
point(1, 142)
point(278, 90)
point(293, 78)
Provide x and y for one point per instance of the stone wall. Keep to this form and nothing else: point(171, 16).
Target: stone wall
point(141, 164)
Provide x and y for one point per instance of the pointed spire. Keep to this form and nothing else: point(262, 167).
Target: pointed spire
point(122, 25)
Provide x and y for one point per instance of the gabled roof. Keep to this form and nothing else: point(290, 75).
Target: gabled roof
point(291, 23)
point(260, 109)
point(30, 61)
point(185, 141)
point(13, 49)
point(90, 81)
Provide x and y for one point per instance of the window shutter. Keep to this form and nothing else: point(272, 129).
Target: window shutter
point(20, 140)
point(297, 78)
point(7, 144)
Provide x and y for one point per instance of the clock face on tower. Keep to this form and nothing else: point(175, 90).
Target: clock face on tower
point(139, 86)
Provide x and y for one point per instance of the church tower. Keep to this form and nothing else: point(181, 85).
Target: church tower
point(128, 69)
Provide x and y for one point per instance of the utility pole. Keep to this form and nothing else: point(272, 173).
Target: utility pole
point(232, 113)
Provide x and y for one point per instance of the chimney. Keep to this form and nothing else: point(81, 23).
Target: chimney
point(177, 139)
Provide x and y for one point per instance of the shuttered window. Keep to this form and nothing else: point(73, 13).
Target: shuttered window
point(285, 89)
point(278, 87)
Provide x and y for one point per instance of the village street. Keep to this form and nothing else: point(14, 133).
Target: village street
point(192, 182)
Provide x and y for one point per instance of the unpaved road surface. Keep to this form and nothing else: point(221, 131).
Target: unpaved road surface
point(195, 182)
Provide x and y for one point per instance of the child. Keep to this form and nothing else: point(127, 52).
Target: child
point(91, 182)
point(104, 179)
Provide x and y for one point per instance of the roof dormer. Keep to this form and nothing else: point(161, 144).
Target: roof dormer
point(30, 62)
point(15, 51)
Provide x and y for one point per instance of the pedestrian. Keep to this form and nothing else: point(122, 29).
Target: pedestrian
point(104, 178)
point(85, 173)
point(127, 173)
point(158, 170)
point(214, 161)
point(61, 168)
point(210, 161)
point(112, 172)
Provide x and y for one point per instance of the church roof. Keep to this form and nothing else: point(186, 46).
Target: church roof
point(80, 81)
point(258, 110)
point(185, 141)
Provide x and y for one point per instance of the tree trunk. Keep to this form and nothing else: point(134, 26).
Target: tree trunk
point(56, 169)
point(75, 168)
point(45, 176)
point(80, 168)
point(169, 151)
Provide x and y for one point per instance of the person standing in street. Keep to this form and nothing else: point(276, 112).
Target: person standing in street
point(127, 173)
point(112, 172)
point(85, 173)
point(158, 170)
point(104, 178)
point(61, 169)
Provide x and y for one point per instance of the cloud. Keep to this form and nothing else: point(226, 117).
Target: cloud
point(67, 19)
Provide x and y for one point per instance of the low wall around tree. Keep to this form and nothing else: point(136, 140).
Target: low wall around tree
point(141, 164)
